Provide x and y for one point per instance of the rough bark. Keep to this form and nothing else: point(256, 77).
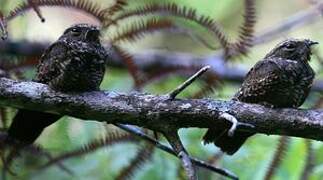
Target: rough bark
point(157, 112)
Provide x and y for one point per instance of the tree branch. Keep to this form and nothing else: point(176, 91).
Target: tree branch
point(137, 132)
point(158, 112)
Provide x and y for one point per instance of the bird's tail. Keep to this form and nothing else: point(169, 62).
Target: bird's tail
point(28, 125)
point(227, 144)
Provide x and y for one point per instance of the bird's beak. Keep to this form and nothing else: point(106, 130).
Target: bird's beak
point(310, 43)
point(92, 35)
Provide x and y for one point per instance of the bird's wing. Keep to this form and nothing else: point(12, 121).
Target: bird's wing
point(28, 131)
point(263, 78)
point(50, 62)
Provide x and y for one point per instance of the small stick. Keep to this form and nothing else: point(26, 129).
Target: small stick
point(188, 82)
point(137, 132)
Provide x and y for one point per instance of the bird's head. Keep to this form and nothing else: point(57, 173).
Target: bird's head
point(293, 49)
point(83, 32)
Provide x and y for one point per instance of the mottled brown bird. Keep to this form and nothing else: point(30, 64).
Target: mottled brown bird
point(74, 63)
point(282, 79)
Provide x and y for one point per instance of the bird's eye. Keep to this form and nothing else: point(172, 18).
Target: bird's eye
point(290, 47)
point(75, 32)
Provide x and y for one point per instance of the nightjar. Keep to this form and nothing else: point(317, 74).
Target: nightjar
point(282, 79)
point(74, 63)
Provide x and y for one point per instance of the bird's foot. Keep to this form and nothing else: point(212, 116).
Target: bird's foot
point(235, 123)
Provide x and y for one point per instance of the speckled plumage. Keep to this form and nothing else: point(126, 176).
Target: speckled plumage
point(74, 63)
point(282, 79)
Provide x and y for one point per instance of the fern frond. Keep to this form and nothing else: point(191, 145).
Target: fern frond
point(143, 156)
point(140, 28)
point(3, 145)
point(37, 151)
point(3, 27)
point(309, 160)
point(33, 4)
point(11, 62)
point(4, 114)
point(210, 82)
point(246, 34)
point(180, 172)
point(33, 149)
point(83, 5)
point(172, 9)
point(110, 139)
point(162, 73)
point(14, 66)
point(278, 156)
point(215, 158)
point(133, 69)
point(118, 6)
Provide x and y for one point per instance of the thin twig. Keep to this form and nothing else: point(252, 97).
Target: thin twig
point(188, 82)
point(175, 141)
point(136, 131)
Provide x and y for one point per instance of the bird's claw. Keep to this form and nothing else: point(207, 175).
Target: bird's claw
point(247, 125)
point(235, 123)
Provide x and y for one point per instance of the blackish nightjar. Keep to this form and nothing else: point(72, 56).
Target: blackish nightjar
point(74, 63)
point(282, 79)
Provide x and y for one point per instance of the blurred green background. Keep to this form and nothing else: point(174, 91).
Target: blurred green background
point(251, 161)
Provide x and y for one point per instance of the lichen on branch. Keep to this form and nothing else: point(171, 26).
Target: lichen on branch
point(157, 112)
